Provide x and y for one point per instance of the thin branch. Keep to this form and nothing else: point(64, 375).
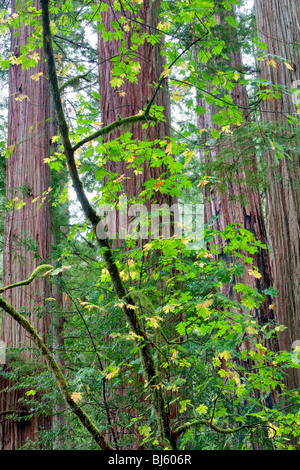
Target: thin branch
point(120, 123)
point(54, 368)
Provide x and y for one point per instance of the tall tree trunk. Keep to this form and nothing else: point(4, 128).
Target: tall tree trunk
point(278, 25)
point(240, 203)
point(131, 98)
point(27, 229)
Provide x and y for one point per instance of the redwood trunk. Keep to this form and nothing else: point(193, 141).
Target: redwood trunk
point(240, 203)
point(131, 98)
point(278, 24)
point(27, 178)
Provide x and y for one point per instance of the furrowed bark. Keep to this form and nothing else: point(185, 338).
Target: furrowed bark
point(278, 26)
point(27, 229)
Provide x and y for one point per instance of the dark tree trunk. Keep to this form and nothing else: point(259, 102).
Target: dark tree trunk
point(27, 178)
point(240, 203)
point(278, 25)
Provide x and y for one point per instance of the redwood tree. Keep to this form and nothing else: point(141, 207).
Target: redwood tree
point(27, 239)
point(278, 26)
point(131, 98)
point(237, 201)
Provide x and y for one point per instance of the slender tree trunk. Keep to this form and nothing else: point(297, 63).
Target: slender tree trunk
point(278, 25)
point(27, 240)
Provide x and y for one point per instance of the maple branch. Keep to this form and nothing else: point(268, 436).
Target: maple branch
point(39, 270)
point(120, 123)
point(185, 427)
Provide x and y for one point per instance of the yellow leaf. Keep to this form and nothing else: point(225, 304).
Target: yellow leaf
point(76, 396)
point(225, 355)
point(165, 73)
point(36, 76)
point(131, 307)
point(112, 374)
point(273, 63)
point(271, 307)
point(236, 76)
point(22, 97)
point(158, 184)
point(35, 56)
point(174, 355)
point(226, 129)
point(254, 273)
point(119, 304)
point(288, 66)
point(251, 330)
point(236, 379)
point(169, 149)
point(272, 431)
point(189, 154)
point(202, 183)
point(261, 350)
point(66, 296)
point(11, 148)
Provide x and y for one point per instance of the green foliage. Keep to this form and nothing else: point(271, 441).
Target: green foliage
point(215, 365)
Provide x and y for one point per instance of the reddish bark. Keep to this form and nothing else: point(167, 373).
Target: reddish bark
point(279, 27)
point(27, 178)
point(131, 98)
point(137, 95)
point(240, 203)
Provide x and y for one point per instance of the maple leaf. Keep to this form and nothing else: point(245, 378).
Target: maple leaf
point(273, 63)
point(202, 183)
point(202, 409)
point(22, 97)
point(158, 184)
point(76, 396)
point(165, 73)
point(36, 76)
point(254, 273)
point(225, 355)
